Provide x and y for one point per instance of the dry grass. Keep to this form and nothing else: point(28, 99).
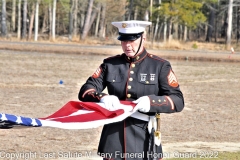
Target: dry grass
point(29, 86)
point(173, 44)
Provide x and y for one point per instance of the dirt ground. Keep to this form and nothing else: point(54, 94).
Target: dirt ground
point(29, 86)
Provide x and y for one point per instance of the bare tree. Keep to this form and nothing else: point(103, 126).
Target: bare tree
point(45, 21)
point(54, 19)
point(238, 24)
point(50, 20)
point(170, 33)
point(36, 21)
point(185, 31)
point(211, 20)
point(150, 10)
point(94, 14)
point(175, 31)
point(71, 3)
point(165, 30)
point(98, 19)
point(102, 21)
point(157, 23)
point(75, 19)
point(13, 18)
point(19, 20)
point(24, 29)
point(4, 24)
point(31, 22)
point(229, 28)
point(130, 10)
point(135, 13)
point(87, 20)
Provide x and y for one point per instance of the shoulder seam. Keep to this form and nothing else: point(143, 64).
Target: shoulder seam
point(155, 57)
point(113, 57)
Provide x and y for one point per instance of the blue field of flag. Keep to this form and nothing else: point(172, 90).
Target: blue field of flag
point(8, 121)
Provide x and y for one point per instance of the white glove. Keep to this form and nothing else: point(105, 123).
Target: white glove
point(143, 104)
point(111, 102)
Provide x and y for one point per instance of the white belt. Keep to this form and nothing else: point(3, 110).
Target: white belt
point(152, 123)
point(140, 116)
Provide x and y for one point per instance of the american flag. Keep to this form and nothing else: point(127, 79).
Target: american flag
point(73, 115)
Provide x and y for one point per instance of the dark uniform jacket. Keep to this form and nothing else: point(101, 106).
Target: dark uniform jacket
point(129, 79)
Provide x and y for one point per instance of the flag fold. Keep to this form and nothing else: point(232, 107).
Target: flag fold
point(73, 115)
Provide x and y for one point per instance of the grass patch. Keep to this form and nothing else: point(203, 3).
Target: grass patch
point(194, 46)
point(173, 44)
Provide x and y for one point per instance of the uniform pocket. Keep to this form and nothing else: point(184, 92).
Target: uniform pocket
point(148, 84)
point(114, 78)
point(115, 85)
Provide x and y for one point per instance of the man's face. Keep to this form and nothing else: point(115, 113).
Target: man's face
point(130, 47)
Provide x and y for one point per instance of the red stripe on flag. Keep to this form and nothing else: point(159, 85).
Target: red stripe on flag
point(67, 109)
point(73, 106)
point(88, 117)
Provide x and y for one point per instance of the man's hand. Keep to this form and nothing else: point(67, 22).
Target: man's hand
point(111, 102)
point(143, 104)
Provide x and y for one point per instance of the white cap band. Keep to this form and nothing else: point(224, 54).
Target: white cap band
point(131, 27)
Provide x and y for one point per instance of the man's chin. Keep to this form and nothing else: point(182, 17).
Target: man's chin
point(130, 54)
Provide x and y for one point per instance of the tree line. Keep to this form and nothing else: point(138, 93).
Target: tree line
point(182, 20)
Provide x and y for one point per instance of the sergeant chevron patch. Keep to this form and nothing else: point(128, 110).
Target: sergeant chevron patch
point(172, 79)
point(97, 73)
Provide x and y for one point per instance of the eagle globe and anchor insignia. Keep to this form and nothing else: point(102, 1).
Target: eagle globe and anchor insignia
point(124, 25)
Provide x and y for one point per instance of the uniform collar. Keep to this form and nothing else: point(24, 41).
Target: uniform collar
point(138, 57)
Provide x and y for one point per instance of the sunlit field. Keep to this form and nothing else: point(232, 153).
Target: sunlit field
point(29, 86)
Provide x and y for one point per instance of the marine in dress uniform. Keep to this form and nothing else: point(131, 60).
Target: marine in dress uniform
point(143, 78)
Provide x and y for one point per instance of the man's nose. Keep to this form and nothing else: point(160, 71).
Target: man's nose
point(128, 44)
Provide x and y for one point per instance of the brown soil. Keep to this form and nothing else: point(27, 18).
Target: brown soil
point(29, 86)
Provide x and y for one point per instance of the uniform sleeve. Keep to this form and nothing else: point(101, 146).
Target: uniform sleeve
point(170, 98)
point(91, 91)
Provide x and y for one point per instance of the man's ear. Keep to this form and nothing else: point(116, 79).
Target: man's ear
point(144, 38)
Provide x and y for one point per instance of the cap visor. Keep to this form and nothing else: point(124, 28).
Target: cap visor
point(126, 37)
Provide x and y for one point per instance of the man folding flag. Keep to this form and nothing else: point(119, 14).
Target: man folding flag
point(73, 115)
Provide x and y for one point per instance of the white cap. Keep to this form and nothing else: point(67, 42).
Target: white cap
point(131, 27)
point(130, 30)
